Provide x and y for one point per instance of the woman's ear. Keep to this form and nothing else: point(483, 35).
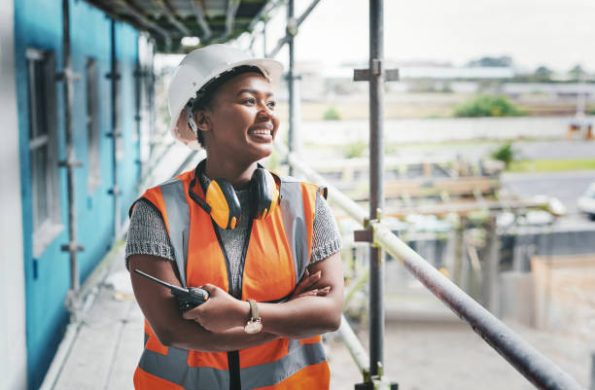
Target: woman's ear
point(203, 120)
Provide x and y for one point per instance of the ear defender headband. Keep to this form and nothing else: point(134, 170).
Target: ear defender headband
point(265, 193)
point(222, 204)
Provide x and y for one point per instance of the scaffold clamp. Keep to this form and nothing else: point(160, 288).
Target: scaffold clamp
point(367, 234)
point(377, 70)
point(70, 164)
point(67, 74)
point(292, 27)
point(72, 247)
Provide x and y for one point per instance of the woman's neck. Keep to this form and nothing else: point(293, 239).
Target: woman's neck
point(239, 175)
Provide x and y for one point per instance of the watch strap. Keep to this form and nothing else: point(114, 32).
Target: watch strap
point(254, 315)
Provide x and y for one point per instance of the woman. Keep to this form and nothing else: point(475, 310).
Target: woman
point(266, 249)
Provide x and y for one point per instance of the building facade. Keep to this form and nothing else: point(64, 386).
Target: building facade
point(110, 121)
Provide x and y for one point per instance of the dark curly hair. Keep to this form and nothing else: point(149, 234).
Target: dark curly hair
point(204, 96)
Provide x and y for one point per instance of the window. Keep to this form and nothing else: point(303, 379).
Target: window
point(93, 139)
point(42, 148)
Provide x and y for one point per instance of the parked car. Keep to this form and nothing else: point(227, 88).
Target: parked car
point(586, 203)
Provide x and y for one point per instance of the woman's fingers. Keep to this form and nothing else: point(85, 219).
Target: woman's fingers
point(210, 288)
point(324, 290)
point(317, 292)
point(192, 314)
point(308, 282)
point(196, 312)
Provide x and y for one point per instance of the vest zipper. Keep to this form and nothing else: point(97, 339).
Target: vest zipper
point(233, 357)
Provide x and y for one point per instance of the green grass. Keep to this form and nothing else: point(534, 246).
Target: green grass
point(552, 165)
point(488, 106)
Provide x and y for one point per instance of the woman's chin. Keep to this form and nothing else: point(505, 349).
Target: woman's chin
point(263, 150)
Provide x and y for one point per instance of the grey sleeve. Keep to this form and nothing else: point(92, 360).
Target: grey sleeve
point(326, 240)
point(147, 234)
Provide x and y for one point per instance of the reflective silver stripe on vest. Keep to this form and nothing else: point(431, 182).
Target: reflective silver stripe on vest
point(294, 221)
point(178, 217)
point(174, 368)
point(299, 356)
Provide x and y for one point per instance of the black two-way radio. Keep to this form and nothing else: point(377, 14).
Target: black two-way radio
point(188, 298)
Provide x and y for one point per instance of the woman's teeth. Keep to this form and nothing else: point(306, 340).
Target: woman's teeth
point(261, 132)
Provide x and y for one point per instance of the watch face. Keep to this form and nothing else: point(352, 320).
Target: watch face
point(253, 327)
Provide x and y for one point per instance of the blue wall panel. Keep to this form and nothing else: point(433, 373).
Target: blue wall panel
point(129, 168)
point(38, 24)
point(95, 221)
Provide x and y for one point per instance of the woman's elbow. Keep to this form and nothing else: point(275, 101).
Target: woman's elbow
point(166, 336)
point(332, 319)
point(334, 322)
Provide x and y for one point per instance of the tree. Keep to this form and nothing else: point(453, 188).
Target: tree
point(543, 73)
point(484, 62)
point(577, 73)
point(505, 153)
point(488, 106)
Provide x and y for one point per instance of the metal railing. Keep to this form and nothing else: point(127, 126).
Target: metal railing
point(537, 368)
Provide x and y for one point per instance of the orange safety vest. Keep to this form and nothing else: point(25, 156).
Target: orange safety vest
point(277, 253)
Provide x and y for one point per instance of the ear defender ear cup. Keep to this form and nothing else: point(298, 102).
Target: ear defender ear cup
point(224, 204)
point(265, 193)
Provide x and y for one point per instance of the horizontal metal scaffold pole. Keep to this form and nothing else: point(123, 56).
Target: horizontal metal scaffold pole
point(358, 353)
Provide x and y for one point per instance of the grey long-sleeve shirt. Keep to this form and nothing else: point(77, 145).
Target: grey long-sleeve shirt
point(147, 235)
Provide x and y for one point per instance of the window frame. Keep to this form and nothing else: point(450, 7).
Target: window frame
point(43, 148)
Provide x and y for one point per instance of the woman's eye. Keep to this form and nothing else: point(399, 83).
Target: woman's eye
point(249, 101)
point(272, 105)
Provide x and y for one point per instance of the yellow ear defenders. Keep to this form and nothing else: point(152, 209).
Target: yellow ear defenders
point(221, 201)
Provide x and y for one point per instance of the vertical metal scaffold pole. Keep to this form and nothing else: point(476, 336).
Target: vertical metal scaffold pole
point(67, 76)
point(292, 136)
point(376, 75)
point(376, 183)
point(116, 132)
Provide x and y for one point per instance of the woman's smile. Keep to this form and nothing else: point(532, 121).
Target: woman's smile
point(262, 132)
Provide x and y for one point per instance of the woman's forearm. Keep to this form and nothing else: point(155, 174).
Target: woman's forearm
point(190, 335)
point(300, 318)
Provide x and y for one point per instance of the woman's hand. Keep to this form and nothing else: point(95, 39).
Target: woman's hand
point(307, 287)
point(220, 312)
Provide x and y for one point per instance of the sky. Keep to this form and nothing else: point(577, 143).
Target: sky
point(555, 33)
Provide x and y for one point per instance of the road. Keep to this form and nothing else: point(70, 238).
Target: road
point(566, 186)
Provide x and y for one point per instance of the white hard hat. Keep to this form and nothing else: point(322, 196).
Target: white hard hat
point(199, 67)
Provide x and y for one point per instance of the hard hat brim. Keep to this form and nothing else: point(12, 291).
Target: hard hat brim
point(178, 127)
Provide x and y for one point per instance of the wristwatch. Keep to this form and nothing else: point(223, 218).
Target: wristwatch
point(254, 324)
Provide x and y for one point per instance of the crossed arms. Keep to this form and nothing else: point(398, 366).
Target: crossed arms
point(217, 325)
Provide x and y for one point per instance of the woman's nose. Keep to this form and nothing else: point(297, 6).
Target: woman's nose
point(265, 111)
